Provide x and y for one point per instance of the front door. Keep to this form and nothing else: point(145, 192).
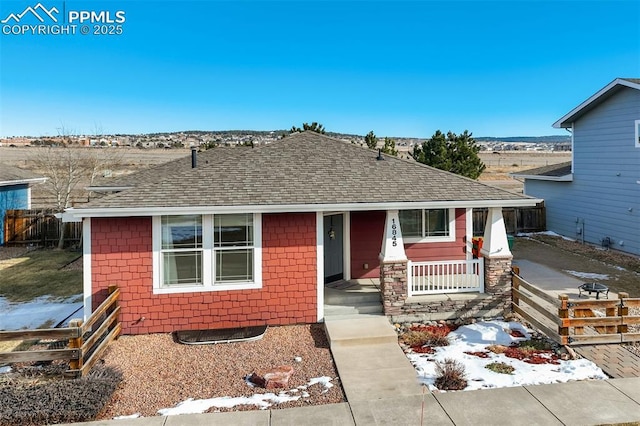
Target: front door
point(333, 248)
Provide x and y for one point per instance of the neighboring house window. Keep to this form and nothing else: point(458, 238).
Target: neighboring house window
point(206, 252)
point(427, 225)
point(637, 122)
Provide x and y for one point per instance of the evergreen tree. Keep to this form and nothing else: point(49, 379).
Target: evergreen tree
point(390, 147)
point(371, 140)
point(453, 153)
point(313, 127)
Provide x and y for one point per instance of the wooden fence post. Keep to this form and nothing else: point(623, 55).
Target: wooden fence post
point(623, 311)
point(563, 313)
point(579, 313)
point(515, 283)
point(76, 343)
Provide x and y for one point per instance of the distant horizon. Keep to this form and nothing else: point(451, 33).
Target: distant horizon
point(402, 68)
point(328, 132)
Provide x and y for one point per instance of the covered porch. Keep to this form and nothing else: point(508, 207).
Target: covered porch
point(409, 288)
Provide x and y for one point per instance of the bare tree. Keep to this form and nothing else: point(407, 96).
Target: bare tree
point(65, 168)
point(68, 169)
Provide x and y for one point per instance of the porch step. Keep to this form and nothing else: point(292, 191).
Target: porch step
point(353, 309)
point(346, 298)
point(367, 329)
point(341, 317)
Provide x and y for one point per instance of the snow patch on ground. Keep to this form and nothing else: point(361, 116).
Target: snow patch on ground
point(475, 338)
point(549, 233)
point(131, 416)
point(588, 275)
point(261, 400)
point(37, 312)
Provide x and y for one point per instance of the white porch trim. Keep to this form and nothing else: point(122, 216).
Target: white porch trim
point(392, 243)
point(346, 245)
point(495, 244)
point(292, 208)
point(468, 217)
point(320, 265)
point(86, 266)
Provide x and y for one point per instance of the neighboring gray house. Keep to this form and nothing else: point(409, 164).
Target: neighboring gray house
point(596, 197)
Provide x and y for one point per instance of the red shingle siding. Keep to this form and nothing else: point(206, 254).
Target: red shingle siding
point(367, 229)
point(122, 255)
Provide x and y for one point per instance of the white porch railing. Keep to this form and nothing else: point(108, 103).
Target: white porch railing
point(450, 276)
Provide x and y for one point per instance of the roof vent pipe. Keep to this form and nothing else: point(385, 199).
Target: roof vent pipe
point(194, 157)
point(379, 157)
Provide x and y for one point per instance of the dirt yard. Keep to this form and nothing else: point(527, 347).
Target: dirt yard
point(560, 254)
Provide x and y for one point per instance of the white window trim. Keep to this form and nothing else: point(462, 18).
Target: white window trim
point(438, 239)
point(207, 260)
point(637, 132)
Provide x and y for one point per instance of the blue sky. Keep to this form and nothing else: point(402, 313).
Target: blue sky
point(502, 68)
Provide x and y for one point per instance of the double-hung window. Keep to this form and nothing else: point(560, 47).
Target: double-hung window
point(206, 252)
point(182, 250)
point(233, 247)
point(427, 225)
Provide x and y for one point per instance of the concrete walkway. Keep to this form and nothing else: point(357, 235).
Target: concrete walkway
point(550, 280)
point(382, 389)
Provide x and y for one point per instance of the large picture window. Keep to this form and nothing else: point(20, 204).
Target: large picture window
point(207, 252)
point(427, 224)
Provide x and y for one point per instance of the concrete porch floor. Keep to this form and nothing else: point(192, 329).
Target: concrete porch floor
point(351, 299)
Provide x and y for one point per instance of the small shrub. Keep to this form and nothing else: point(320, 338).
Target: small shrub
point(415, 338)
point(427, 335)
point(423, 349)
point(534, 345)
point(34, 402)
point(532, 356)
point(497, 349)
point(500, 367)
point(438, 330)
point(451, 375)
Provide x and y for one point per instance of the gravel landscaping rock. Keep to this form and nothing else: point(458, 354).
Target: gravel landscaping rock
point(159, 373)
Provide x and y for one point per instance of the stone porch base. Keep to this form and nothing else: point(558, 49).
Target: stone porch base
point(453, 306)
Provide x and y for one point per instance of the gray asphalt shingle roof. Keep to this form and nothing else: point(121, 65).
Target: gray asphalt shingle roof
point(10, 175)
point(303, 168)
point(554, 170)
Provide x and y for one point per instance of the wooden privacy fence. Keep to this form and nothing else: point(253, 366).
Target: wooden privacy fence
point(516, 220)
point(85, 342)
point(575, 322)
point(38, 227)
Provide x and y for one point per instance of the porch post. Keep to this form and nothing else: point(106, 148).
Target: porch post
point(393, 266)
point(497, 257)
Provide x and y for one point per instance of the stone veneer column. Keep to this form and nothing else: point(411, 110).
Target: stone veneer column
point(393, 285)
point(497, 275)
point(497, 258)
point(393, 266)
